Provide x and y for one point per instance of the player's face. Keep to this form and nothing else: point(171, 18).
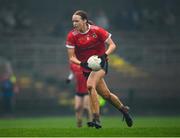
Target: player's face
point(78, 23)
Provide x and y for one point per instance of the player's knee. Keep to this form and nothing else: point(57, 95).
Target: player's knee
point(90, 87)
point(78, 109)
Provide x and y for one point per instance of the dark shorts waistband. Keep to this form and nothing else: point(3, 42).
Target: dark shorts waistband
point(81, 94)
point(105, 68)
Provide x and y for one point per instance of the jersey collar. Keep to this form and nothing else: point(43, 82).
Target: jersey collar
point(89, 26)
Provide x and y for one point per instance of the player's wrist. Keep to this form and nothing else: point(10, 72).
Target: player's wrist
point(105, 55)
point(85, 65)
point(82, 64)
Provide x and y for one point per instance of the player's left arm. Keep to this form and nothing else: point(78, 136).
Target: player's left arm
point(105, 36)
point(111, 46)
point(72, 56)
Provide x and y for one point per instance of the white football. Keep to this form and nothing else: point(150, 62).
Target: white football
point(94, 63)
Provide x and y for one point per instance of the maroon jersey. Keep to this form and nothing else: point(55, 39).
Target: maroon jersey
point(92, 42)
point(81, 86)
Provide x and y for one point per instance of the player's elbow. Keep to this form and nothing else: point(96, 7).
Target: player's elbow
point(71, 59)
point(113, 47)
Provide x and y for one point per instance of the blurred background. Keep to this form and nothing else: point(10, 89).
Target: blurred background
point(144, 70)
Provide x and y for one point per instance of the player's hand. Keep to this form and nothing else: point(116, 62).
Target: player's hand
point(85, 65)
point(67, 81)
point(103, 59)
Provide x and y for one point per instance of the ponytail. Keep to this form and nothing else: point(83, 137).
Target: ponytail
point(90, 22)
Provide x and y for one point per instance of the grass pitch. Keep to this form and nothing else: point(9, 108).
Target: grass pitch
point(112, 127)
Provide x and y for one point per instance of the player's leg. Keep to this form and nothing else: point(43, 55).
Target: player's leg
point(78, 110)
point(86, 107)
point(106, 94)
point(103, 90)
point(92, 81)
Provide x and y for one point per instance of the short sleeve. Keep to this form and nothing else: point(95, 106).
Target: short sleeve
point(70, 42)
point(103, 34)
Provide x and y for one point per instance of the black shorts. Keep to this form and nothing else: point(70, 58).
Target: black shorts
point(105, 68)
point(81, 94)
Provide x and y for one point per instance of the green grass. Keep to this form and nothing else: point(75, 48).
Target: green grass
point(112, 127)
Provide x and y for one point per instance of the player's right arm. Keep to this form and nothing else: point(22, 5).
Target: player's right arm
point(72, 56)
point(70, 44)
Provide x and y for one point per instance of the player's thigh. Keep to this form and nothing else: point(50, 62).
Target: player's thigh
point(102, 88)
point(78, 102)
point(94, 77)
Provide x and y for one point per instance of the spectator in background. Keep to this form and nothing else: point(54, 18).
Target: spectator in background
point(8, 87)
point(59, 28)
point(81, 97)
point(122, 20)
point(136, 19)
point(146, 19)
point(170, 20)
point(102, 19)
point(7, 19)
point(23, 20)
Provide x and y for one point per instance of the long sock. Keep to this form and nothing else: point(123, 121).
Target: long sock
point(115, 101)
point(96, 117)
point(94, 101)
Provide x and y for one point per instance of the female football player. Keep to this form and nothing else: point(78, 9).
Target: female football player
point(82, 42)
point(81, 97)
